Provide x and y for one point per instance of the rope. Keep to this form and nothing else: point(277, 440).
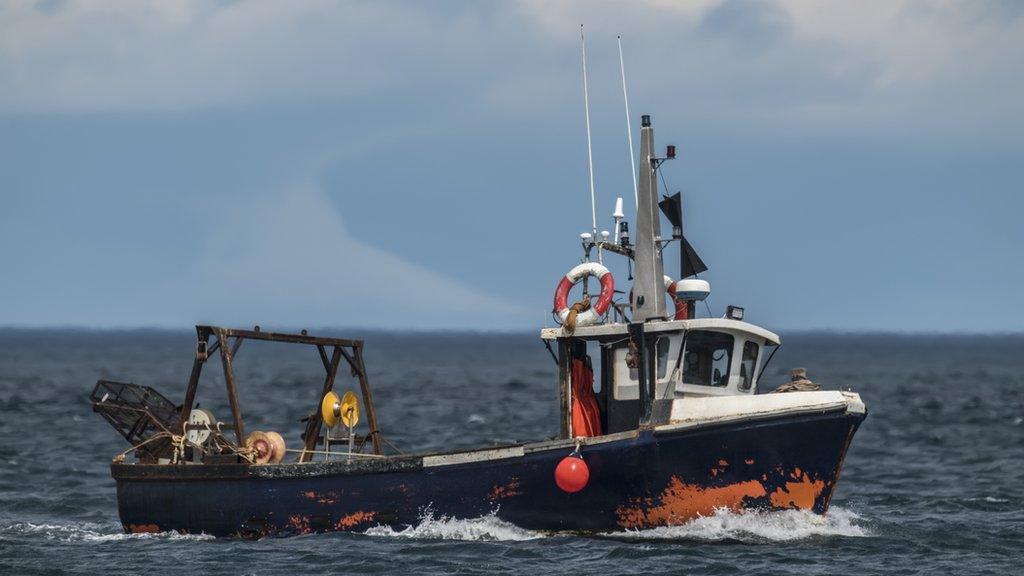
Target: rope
point(393, 447)
point(120, 457)
point(178, 442)
point(797, 386)
point(356, 454)
point(570, 321)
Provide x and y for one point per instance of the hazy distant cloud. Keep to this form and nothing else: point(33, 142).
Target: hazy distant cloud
point(285, 258)
point(279, 257)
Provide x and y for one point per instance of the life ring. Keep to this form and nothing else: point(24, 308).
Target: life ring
point(681, 311)
point(594, 313)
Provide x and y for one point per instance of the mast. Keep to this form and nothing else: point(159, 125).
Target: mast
point(648, 289)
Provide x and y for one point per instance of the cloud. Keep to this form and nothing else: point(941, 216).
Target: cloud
point(133, 133)
point(85, 56)
point(854, 58)
point(286, 258)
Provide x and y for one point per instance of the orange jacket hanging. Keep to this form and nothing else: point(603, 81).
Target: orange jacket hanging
point(586, 414)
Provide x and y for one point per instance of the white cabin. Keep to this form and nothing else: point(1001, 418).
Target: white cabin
point(720, 357)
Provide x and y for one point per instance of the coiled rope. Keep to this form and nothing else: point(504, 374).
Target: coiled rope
point(578, 308)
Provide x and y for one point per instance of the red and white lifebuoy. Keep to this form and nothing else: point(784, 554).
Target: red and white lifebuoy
point(681, 312)
point(594, 313)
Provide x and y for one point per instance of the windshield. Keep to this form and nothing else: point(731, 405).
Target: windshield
point(708, 358)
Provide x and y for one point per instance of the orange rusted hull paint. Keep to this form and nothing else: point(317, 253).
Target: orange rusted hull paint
point(682, 502)
point(350, 521)
point(505, 491)
point(299, 524)
point(801, 492)
point(144, 528)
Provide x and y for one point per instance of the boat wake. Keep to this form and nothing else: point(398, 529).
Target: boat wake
point(484, 528)
point(88, 532)
point(723, 526)
point(756, 526)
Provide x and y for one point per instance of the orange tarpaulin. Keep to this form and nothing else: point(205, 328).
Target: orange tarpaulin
point(586, 415)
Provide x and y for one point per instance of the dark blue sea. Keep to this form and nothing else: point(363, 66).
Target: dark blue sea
point(933, 484)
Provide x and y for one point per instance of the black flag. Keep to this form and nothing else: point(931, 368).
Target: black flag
point(691, 263)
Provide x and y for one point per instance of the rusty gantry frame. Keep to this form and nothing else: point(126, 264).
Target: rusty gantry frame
point(228, 340)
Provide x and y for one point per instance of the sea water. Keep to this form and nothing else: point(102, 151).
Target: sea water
point(933, 483)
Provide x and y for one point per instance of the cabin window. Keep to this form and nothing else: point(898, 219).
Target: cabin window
point(748, 365)
point(708, 358)
point(662, 349)
point(626, 380)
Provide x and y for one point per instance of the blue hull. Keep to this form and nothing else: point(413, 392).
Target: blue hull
point(637, 480)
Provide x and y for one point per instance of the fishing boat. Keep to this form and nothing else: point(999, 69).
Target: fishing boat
point(677, 427)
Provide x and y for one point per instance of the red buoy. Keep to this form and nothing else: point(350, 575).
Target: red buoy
point(572, 474)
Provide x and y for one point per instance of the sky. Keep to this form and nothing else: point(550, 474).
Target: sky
point(423, 165)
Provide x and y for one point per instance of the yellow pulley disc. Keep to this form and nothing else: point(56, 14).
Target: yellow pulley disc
point(330, 409)
point(350, 410)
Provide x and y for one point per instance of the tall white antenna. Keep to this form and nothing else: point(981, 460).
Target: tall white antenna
point(629, 126)
point(590, 156)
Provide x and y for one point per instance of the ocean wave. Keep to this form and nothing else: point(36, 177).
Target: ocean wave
point(756, 526)
point(724, 525)
point(484, 528)
point(90, 532)
point(989, 499)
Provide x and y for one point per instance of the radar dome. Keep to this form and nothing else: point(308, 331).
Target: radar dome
point(692, 289)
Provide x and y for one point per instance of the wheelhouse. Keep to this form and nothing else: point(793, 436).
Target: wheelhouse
point(688, 359)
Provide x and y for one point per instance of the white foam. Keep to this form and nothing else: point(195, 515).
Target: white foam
point(91, 532)
point(485, 528)
point(989, 499)
point(757, 526)
point(748, 526)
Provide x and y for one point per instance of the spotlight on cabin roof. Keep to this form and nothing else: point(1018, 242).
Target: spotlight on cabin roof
point(734, 312)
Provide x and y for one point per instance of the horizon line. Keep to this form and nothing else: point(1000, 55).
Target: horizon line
point(495, 331)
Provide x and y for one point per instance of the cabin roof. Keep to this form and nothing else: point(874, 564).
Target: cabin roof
point(602, 331)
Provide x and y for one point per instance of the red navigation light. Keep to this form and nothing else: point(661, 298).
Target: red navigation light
point(670, 151)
